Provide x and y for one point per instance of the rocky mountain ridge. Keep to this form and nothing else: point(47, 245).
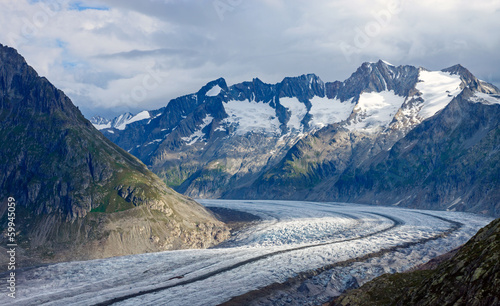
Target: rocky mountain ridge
point(301, 138)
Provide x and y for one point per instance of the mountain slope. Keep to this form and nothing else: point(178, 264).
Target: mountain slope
point(448, 162)
point(78, 195)
point(471, 277)
point(434, 154)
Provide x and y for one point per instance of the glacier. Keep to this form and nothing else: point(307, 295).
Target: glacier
point(292, 238)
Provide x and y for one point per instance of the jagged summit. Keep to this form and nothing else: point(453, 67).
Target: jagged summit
point(386, 62)
point(471, 81)
point(378, 63)
point(375, 77)
point(99, 120)
point(457, 69)
point(213, 88)
point(380, 79)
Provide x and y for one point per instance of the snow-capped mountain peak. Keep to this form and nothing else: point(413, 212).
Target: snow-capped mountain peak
point(376, 96)
point(387, 63)
point(120, 122)
point(223, 134)
point(100, 122)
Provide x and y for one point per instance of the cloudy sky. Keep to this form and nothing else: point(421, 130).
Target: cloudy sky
point(112, 56)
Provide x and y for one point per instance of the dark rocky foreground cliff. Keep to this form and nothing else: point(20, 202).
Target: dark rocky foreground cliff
point(470, 277)
point(78, 195)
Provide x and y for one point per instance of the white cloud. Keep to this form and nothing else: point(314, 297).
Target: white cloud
point(99, 56)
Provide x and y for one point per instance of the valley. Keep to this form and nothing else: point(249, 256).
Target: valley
point(249, 153)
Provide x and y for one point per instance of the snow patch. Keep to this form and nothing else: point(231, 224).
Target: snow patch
point(326, 111)
point(438, 89)
point(375, 109)
point(250, 116)
point(298, 112)
point(214, 91)
point(100, 123)
point(102, 126)
point(220, 128)
point(198, 134)
point(449, 208)
point(154, 141)
point(154, 118)
point(484, 98)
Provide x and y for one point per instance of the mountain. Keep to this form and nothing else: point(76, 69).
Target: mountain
point(448, 162)
point(205, 143)
point(100, 122)
point(336, 141)
point(447, 159)
point(78, 195)
point(470, 277)
point(120, 122)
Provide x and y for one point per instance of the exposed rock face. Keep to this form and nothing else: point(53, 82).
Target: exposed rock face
point(78, 195)
point(471, 277)
point(340, 141)
point(375, 77)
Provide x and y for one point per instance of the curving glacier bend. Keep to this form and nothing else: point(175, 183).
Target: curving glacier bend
point(293, 237)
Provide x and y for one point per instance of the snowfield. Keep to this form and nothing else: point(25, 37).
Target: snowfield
point(293, 237)
point(438, 88)
point(251, 116)
point(375, 109)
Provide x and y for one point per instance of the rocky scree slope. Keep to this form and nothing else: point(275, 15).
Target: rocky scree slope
point(78, 195)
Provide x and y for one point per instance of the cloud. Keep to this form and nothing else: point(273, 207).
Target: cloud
point(99, 51)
